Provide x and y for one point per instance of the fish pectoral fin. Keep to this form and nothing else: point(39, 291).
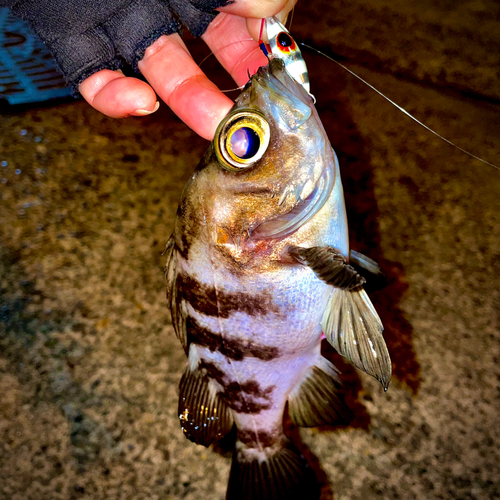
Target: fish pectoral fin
point(370, 270)
point(319, 398)
point(329, 265)
point(353, 327)
point(268, 474)
point(204, 415)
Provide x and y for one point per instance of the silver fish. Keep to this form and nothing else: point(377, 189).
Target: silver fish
point(257, 270)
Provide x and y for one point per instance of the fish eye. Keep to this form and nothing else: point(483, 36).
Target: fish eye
point(241, 139)
point(245, 143)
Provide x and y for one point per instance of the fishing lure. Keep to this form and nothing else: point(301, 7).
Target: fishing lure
point(282, 45)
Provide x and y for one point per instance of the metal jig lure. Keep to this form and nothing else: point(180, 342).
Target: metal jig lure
point(283, 46)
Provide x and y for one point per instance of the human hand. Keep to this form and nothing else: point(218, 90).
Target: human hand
point(172, 73)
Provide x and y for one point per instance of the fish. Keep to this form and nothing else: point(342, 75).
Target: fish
point(258, 272)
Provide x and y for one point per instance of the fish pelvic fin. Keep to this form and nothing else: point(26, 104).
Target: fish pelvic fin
point(271, 474)
point(353, 327)
point(370, 270)
point(319, 398)
point(329, 265)
point(204, 416)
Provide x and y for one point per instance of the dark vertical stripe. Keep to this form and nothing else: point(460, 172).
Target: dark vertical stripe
point(245, 397)
point(207, 300)
point(232, 348)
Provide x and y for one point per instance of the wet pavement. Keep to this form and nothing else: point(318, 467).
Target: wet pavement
point(89, 363)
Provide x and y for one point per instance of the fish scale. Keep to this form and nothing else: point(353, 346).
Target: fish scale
point(295, 342)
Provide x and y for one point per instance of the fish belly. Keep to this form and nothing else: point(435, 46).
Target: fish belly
point(258, 344)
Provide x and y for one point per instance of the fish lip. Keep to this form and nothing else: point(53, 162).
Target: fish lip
point(285, 224)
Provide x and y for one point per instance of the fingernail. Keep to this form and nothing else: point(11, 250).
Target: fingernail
point(144, 112)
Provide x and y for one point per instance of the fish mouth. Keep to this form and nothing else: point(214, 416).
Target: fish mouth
point(304, 210)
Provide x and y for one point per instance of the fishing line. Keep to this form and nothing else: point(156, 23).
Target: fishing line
point(401, 108)
point(225, 47)
point(291, 19)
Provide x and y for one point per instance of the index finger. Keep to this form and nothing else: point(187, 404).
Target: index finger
point(177, 79)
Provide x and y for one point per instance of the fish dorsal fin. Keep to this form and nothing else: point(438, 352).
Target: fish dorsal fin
point(329, 265)
point(353, 327)
point(204, 415)
point(174, 301)
point(319, 398)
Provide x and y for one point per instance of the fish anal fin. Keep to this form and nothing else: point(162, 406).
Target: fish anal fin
point(282, 474)
point(319, 398)
point(352, 326)
point(204, 416)
point(329, 265)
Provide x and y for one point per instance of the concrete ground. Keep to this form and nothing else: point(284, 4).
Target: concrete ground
point(89, 363)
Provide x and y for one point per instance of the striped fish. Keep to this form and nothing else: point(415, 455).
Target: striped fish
point(257, 270)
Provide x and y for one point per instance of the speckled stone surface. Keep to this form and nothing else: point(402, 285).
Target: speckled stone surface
point(89, 363)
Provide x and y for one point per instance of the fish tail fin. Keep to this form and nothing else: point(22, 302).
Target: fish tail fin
point(319, 398)
point(353, 327)
point(271, 474)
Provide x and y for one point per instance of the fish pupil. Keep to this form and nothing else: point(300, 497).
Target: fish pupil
point(284, 40)
point(245, 143)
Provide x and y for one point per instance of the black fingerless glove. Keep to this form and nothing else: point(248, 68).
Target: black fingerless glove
point(86, 36)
